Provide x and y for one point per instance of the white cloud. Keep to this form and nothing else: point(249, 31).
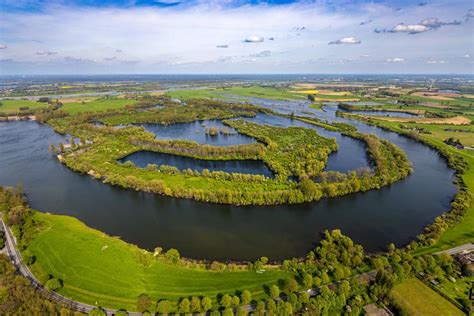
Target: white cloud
point(470, 13)
point(45, 53)
point(425, 25)
point(156, 40)
point(436, 62)
point(254, 39)
point(410, 28)
point(3, 46)
point(466, 56)
point(346, 40)
point(395, 60)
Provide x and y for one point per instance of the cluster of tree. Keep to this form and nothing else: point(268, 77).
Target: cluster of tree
point(19, 297)
point(173, 112)
point(292, 151)
point(454, 142)
point(417, 129)
point(195, 150)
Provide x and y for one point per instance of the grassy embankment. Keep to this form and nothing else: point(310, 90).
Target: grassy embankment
point(106, 271)
point(415, 298)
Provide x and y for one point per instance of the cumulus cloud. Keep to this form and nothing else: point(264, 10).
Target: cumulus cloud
point(366, 22)
point(436, 62)
point(425, 25)
point(74, 60)
point(265, 53)
point(254, 39)
point(346, 40)
point(466, 56)
point(46, 53)
point(3, 46)
point(395, 60)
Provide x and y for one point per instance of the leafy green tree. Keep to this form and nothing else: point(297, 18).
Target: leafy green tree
point(172, 255)
point(271, 306)
point(246, 297)
point(235, 301)
point(195, 304)
point(290, 285)
point(121, 312)
point(226, 301)
point(228, 312)
point(98, 311)
point(163, 307)
point(143, 302)
point(184, 306)
point(53, 284)
point(274, 291)
point(206, 304)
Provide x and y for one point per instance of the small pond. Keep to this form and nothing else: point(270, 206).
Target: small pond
point(144, 158)
point(196, 131)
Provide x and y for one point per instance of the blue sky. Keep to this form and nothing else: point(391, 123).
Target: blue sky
point(277, 36)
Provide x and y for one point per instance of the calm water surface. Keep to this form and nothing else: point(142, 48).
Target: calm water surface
point(144, 158)
point(200, 230)
point(196, 131)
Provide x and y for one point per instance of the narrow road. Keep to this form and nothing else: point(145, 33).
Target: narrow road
point(459, 249)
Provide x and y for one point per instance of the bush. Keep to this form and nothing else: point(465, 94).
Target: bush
point(53, 284)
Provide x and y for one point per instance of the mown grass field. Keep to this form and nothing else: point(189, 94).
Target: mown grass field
point(96, 105)
point(13, 106)
point(415, 298)
point(99, 269)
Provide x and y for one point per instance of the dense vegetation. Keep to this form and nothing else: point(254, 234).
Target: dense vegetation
point(291, 153)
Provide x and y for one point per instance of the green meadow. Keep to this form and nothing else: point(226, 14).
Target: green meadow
point(416, 298)
point(96, 105)
point(13, 106)
point(106, 271)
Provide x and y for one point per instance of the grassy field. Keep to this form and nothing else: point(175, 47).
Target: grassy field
point(415, 298)
point(13, 106)
point(234, 93)
point(458, 102)
point(99, 269)
point(456, 120)
point(96, 105)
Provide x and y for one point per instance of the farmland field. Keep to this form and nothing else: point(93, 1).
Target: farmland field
point(13, 106)
point(415, 298)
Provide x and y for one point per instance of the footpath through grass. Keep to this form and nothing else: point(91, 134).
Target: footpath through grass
point(416, 298)
point(106, 271)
